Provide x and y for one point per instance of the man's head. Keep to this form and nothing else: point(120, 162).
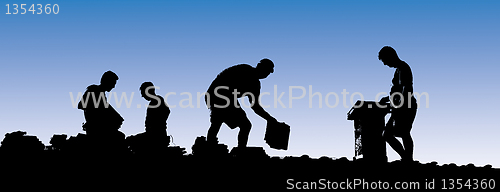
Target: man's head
point(388, 56)
point(108, 80)
point(264, 68)
point(150, 88)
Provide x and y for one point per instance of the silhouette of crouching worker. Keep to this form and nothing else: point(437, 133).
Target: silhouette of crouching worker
point(221, 98)
point(102, 120)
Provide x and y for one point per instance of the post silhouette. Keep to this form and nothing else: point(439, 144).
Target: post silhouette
point(404, 104)
point(369, 124)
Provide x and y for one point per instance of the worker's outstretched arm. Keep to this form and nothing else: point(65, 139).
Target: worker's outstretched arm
point(257, 108)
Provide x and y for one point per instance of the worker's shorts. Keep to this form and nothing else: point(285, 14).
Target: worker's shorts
point(401, 122)
point(233, 117)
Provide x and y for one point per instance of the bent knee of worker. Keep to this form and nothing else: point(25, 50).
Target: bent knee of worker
point(388, 134)
point(246, 126)
point(406, 135)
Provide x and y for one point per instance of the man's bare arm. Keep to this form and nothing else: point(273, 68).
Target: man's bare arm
point(257, 108)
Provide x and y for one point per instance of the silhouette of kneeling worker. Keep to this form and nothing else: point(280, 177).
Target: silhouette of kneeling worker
point(157, 112)
point(221, 98)
point(102, 120)
point(404, 105)
point(155, 137)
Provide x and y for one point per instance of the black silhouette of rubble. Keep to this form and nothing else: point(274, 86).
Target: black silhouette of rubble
point(151, 144)
point(204, 149)
point(21, 144)
point(249, 153)
point(68, 162)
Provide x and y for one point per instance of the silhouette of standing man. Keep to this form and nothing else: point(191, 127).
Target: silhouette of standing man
point(232, 83)
point(102, 121)
point(404, 104)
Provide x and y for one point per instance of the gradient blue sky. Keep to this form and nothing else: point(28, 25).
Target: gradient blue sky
point(452, 47)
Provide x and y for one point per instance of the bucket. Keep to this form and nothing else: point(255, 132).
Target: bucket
point(277, 135)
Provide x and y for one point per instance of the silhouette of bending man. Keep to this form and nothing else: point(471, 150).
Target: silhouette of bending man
point(404, 104)
point(102, 121)
point(157, 112)
point(221, 98)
